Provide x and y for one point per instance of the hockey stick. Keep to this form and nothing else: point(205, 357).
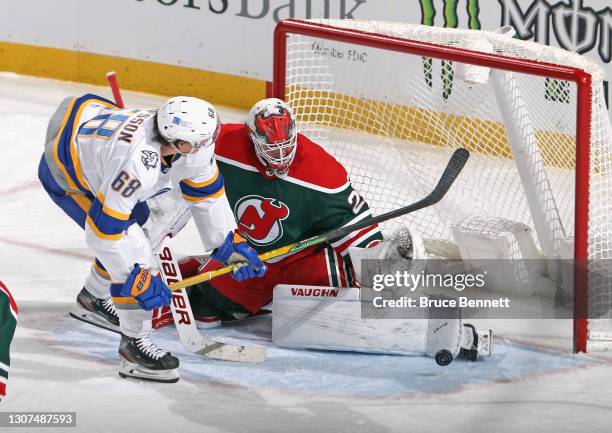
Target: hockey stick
point(184, 321)
point(182, 314)
point(452, 170)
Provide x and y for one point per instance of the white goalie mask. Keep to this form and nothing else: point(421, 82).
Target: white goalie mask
point(188, 119)
point(274, 134)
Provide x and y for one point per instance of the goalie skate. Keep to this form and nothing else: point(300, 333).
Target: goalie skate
point(481, 345)
point(95, 311)
point(142, 359)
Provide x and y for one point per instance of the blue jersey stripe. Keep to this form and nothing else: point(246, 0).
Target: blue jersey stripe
point(104, 222)
point(202, 192)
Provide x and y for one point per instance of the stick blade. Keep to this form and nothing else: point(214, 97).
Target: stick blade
point(456, 163)
point(232, 352)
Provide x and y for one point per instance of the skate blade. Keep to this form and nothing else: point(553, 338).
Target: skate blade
point(87, 316)
point(485, 343)
point(135, 371)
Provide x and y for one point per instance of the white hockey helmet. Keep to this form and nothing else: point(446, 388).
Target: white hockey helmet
point(189, 119)
point(274, 134)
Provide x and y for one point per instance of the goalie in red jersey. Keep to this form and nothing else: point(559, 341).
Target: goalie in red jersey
point(282, 188)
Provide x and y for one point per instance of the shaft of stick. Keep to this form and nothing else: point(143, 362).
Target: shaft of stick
point(114, 85)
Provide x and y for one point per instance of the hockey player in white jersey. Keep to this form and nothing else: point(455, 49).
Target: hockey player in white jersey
point(100, 165)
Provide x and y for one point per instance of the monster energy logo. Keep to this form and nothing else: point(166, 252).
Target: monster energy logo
point(451, 20)
point(451, 15)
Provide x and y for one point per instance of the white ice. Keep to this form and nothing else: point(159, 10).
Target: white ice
point(531, 384)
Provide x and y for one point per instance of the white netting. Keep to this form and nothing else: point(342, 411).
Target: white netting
point(393, 120)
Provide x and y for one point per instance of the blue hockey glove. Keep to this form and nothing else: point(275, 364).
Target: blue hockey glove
point(147, 289)
point(235, 249)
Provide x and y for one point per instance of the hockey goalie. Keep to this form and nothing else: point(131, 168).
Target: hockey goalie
point(284, 188)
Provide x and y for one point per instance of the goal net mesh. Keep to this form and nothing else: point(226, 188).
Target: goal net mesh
point(393, 119)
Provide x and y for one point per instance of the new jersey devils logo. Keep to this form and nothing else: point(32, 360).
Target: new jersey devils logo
point(259, 218)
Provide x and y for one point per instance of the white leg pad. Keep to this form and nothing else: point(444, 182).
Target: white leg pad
point(328, 318)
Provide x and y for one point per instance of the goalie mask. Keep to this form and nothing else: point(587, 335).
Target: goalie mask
point(193, 120)
point(274, 134)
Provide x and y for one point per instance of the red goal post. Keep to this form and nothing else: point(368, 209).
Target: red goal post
point(584, 100)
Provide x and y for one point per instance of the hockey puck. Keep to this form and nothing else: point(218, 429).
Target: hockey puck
point(443, 357)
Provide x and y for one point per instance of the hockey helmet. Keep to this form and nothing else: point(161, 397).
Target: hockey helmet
point(188, 119)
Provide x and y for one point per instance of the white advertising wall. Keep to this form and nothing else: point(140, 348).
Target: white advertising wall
point(235, 36)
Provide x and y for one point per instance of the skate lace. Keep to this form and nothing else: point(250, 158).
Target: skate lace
point(109, 306)
point(146, 345)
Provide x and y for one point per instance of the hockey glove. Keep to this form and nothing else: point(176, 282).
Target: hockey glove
point(235, 249)
point(147, 289)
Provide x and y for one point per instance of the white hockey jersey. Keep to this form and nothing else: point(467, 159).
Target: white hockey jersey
point(110, 160)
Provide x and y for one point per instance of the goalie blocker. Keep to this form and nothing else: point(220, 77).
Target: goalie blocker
point(329, 318)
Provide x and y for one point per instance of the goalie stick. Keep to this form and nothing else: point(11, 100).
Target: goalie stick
point(452, 170)
point(188, 333)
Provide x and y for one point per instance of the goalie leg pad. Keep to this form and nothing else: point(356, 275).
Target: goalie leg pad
point(329, 318)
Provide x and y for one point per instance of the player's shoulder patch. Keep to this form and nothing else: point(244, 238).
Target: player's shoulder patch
point(315, 167)
point(149, 158)
point(144, 165)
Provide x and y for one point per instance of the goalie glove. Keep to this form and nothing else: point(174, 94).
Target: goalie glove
point(404, 245)
point(236, 250)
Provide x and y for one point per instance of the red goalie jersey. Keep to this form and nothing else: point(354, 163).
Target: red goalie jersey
point(272, 211)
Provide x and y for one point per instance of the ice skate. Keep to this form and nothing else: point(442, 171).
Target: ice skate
point(142, 359)
point(95, 311)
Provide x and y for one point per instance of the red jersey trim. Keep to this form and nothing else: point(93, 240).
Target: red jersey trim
point(312, 167)
point(290, 179)
point(12, 303)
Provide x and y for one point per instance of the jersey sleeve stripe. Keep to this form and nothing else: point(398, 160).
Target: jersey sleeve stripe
point(355, 220)
point(198, 193)
point(356, 238)
point(198, 199)
point(198, 185)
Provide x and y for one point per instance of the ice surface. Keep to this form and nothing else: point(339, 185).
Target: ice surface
point(532, 383)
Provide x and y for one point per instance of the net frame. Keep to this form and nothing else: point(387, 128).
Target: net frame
point(582, 79)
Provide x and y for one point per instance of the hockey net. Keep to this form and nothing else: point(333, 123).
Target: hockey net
point(391, 101)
